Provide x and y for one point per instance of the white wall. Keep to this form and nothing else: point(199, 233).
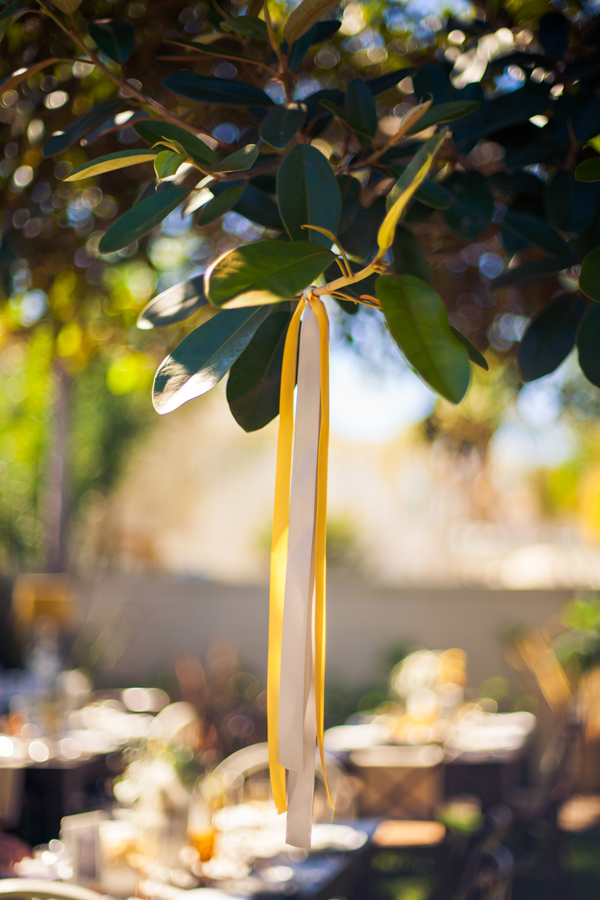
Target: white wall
point(139, 624)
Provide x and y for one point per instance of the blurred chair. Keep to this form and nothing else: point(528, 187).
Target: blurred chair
point(246, 773)
point(399, 782)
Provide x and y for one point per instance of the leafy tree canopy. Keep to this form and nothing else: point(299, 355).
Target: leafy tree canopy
point(218, 159)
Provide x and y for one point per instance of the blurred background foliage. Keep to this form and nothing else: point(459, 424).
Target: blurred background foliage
point(75, 371)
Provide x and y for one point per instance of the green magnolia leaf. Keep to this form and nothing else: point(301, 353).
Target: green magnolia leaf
point(8, 10)
point(20, 75)
point(409, 258)
point(550, 337)
point(588, 341)
point(167, 163)
point(223, 91)
point(308, 194)
point(531, 271)
point(238, 161)
point(319, 33)
point(350, 193)
point(344, 117)
point(60, 141)
point(384, 83)
point(588, 170)
point(254, 381)
point(536, 231)
point(282, 124)
point(445, 112)
point(405, 187)
point(589, 277)
point(258, 207)
point(473, 353)
point(114, 37)
point(204, 357)
point(102, 164)
point(68, 6)
point(418, 322)
point(570, 205)
point(265, 272)
point(153, 132)
point(304, 16)
point(210, 49)
point(222, 203)
point(473, 204)
point(361, 106)
point(247, 26)
point(174, 304)
point(141, 219)
point(429, 192)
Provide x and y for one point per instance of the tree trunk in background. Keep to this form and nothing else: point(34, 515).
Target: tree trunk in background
point(57, 501)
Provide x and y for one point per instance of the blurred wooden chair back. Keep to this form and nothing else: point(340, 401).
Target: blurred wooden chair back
point(399, 782)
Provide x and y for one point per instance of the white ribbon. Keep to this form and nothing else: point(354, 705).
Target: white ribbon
point(297, 720)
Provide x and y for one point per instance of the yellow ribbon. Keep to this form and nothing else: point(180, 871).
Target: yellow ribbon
point(279, 543)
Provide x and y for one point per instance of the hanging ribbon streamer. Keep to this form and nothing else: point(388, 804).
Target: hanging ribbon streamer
point(296, 663)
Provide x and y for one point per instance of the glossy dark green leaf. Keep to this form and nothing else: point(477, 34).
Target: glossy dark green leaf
point(445, 112)
point(418, 322)
point(282, 124)
point(530, 271)
point(550, 337)
point(247, 26)
point(344, 117)
point(361, 106)
point(432, 79)
point(220, 204)
point(56, 143)
point(588, 170)
point(239, 161)
point(204, 357)
point(153, 131)
point(141, 219)
point(570, 205)
point(536, 231)
point(409, 258)
point(473, 204)
point(588, 341)
point(254, 381)
point(361, 238)
point(589, 277)
point(473, 353)
point(350, 194)
point(308, 194)
point(320, 32)
point(174, 304)
point(430, 192)
point(265, 272)
point(258, 207)
point(114, 37)
point(222, 91)
point(512, 242)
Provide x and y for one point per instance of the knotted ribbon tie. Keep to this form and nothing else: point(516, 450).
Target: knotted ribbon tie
point(296, 658)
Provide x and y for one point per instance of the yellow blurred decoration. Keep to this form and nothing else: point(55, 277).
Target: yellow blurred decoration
point(43, 596)
point(589, 504)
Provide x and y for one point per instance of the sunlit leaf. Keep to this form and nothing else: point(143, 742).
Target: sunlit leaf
point(588, 170)
point(204, 357)
point(247, 26)
point(308, 193)
point(255, 378)
point(167, 163)
point(120, 160)
point(404, 189)
point(238, 161)
point(67, 6)
point(141, 219)
point(174, 304)
point(418, 322)
point(304, 16)
point(265, 272)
